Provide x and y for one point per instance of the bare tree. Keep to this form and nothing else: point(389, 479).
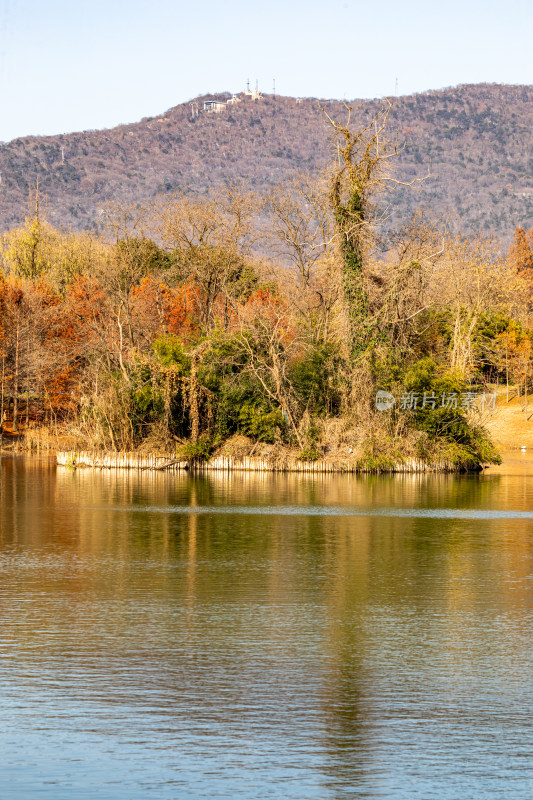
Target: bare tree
point(301, 234)
point(269, 340)
point(398, 284)
point(470, 278)
point(360, 172)
point(300, 229)
point(210, 239)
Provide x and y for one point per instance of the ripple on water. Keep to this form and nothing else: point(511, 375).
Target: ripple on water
point(358, 640)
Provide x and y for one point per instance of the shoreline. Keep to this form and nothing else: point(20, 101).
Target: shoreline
point(171, 463)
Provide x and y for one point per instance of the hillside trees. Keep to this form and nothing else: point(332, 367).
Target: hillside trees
point(200, 318)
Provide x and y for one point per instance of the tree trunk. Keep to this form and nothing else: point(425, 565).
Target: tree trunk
point(2, 400)
point(28, 386)
point(193, 399)
point(16, 379)
point(167, 403)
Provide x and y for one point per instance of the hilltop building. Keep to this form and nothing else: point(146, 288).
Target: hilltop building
point(215, 106)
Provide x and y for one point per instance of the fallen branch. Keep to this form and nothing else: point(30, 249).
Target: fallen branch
point(168, 464)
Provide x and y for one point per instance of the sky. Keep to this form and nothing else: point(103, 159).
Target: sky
point(68, 66)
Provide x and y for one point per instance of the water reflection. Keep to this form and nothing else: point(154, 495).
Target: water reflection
point(148, 653)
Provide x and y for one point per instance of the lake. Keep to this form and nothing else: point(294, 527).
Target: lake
point(265, 635)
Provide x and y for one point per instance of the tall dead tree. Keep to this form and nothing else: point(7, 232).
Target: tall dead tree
point(360, 171)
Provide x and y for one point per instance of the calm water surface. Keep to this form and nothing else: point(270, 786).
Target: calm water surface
point(278, 636)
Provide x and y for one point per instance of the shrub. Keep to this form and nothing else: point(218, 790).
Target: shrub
point(467, 445)
point(197, 451)
point(260, 423)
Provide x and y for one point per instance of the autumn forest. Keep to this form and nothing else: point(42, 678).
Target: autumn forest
point(230, 322)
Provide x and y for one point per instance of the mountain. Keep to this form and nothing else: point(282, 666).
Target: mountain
point(478, 140)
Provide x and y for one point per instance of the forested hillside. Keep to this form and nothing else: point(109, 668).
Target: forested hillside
point(173, 330)
point(477, 139)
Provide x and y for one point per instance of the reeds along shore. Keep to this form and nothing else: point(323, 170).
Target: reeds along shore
point(151, 462)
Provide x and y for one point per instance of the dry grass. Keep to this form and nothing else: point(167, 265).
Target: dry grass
point(38, 439)
point(510, 425)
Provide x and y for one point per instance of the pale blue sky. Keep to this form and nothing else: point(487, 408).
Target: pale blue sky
point(68, 66)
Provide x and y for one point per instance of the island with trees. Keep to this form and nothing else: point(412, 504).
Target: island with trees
point(294, 327)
